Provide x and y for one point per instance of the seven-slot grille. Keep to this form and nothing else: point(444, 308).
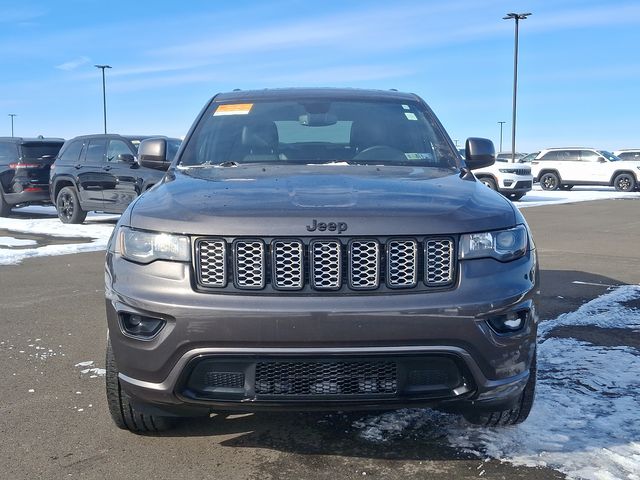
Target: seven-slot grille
point(325, 264)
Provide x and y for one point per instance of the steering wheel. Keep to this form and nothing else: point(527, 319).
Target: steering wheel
point(380, 152)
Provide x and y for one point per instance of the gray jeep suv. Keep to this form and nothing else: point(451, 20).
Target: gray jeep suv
point(320, 249)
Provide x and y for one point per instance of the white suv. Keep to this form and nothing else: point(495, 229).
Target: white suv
point(563, 168)
point(513, 180)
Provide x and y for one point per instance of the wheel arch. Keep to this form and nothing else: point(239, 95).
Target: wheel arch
point(618, 172)
point(548, 170)
point(59, 184)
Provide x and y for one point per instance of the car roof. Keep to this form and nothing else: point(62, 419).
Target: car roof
point(301, 93)
point(32, 139)
point(115, 135)
point(569, 148)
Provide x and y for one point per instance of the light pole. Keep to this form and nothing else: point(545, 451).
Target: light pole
point(12, 115)
point(104, 95)
point(501, 124)
point(517, 17)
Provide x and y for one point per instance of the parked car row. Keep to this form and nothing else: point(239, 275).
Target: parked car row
point(562, 168)
point(102, 173)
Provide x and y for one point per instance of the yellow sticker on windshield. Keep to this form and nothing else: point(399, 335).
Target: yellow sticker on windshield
point(233, 109)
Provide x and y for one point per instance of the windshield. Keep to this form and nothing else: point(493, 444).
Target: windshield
point(529, 158)
point(40, 151)
point(609, 156)
point(173, 145)
point(319, 131)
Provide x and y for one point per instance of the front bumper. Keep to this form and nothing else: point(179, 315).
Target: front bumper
point(513, 183)
point(248, 329)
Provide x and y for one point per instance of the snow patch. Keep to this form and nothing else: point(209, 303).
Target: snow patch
point(538, 197)
point(98, 228)
point(15, 242)
point(584, 420)
point(88, 369)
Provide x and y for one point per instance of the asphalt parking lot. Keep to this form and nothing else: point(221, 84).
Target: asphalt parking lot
point(54, 421)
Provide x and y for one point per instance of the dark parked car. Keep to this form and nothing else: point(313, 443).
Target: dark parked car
point(320, 249)
point(24, 170)
point(102, 173)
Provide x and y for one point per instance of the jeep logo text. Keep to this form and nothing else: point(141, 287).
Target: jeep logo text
point(324, 227)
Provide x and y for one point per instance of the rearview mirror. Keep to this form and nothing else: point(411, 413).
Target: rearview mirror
point(317, 119)
point(479, 152)
point(152, 153)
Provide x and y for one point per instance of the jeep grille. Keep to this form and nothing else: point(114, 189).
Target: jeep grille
point(325, 264)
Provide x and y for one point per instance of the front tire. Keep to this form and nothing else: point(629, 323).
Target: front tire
point(624, 182)
point(549, 181)
point(68, 206)
point(512, 416)
point(489, 182)
point(123, 413)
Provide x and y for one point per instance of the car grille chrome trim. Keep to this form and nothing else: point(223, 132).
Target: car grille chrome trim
point(364, 264)
point(211, 255)
point(438, 265)
point(249, 264)
point(402, 265)
point(326, 264)
point(296, 264)
point(288, 264)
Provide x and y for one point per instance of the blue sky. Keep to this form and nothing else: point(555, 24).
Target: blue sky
point(579, 73)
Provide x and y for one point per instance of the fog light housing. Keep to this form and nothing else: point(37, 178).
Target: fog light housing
point(510, 322)
point(140, 326)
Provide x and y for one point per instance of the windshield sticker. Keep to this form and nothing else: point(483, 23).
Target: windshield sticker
point(410, 116)
point(418, 156)
point(233, 109)
point(406, 107)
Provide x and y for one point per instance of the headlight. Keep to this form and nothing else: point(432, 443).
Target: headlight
point(144, 247)
point(503, 245)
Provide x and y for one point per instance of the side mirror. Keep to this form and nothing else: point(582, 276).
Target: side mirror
point(479, 152)
point(152, 153)
point(126, 158)
point(602, 160)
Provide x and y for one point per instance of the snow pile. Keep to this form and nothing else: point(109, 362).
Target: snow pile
point(13, 251)
point(585, 419)
point(538, 197)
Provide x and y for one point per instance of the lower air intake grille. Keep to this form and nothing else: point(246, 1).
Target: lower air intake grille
point(326, 378)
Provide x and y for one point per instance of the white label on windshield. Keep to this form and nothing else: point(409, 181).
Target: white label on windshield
point(406, 107)
point(410, 116)
point(417, 156)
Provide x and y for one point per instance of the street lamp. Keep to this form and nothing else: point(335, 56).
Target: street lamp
point(501, 124)
point(517, 17)
point(104, 95)
point(12, 115)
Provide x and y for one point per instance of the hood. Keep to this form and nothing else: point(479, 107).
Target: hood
point(314, 200)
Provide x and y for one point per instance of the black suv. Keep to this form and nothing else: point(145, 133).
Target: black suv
point(320, 249)
point(24, 170)
point(102, 173)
